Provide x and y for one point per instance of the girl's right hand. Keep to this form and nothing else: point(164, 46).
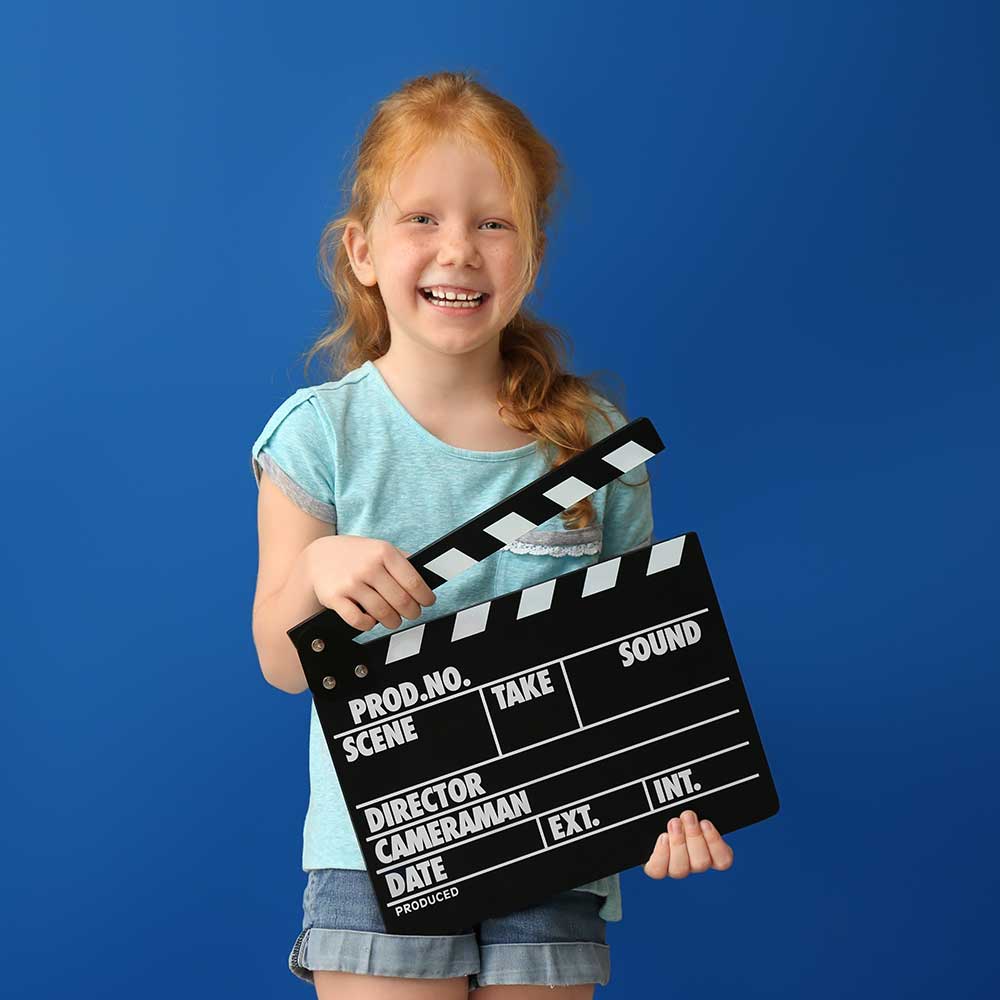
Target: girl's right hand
point(366, 579)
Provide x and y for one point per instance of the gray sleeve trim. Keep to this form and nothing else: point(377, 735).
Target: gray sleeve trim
point(294, 492)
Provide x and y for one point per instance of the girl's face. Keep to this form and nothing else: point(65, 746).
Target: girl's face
point(445, 224)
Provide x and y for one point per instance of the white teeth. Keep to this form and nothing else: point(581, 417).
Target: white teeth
point(456, 300)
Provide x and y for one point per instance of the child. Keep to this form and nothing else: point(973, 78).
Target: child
point(450, 396)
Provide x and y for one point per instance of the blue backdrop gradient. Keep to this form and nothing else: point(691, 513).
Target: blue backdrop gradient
point(780, 232)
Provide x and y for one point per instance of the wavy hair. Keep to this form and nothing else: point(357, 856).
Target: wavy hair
point(536, 394)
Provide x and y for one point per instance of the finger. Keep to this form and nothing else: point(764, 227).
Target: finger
point(411, 581)
point(352, 614)
point(722, 853)
point(698, 854)
point(373, 602)
point(401, 602)
point(680, 866)
point(656, 866)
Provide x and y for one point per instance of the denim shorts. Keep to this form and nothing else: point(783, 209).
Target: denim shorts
point(558, 942)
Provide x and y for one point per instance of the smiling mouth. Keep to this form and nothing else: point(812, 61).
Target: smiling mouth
point(455, 305)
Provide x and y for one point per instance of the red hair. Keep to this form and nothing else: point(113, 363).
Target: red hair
point(536, 395)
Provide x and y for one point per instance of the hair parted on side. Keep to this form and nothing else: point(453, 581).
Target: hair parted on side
point(536, 395)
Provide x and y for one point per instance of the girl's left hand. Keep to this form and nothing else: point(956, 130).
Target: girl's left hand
point(688, 846)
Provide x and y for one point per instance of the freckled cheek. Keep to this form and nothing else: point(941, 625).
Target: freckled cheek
point(409, 263)
point(501, 266)
point(415, 260)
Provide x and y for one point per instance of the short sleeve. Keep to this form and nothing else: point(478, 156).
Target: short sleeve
point(295, 449)
point(628, 510)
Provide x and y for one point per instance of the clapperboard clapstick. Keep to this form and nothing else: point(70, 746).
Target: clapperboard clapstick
point(540, 740)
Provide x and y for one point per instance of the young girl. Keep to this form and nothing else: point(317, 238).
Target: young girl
point(450, 396)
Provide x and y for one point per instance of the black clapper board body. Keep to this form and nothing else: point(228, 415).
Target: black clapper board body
point(541, 740)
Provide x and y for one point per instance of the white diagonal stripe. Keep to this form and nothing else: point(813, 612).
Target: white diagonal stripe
point(451, 563)
point(665, 555)
point(536, 598)
point(509, 527)
point(601, 576)
point(405, 643)
point(569, 491)
point(470, 621)
point(628, 456)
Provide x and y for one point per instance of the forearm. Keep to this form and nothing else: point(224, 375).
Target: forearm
point(273, 616)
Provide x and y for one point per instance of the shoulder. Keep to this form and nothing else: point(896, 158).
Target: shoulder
point(352, 383)
point(334, 394)
point(306, 424)
point(316, 405)
point(605, 419)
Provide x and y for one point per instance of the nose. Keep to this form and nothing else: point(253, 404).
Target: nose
point(457, 248)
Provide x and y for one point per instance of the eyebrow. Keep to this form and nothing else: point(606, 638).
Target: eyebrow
point(429, 200)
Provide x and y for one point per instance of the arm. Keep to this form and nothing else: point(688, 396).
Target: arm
point(284, 594)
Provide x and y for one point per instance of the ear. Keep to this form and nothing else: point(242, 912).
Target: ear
point(359, 253)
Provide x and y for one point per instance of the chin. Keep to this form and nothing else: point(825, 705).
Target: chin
point(456, 344)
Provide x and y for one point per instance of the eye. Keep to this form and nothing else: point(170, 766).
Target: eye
point(493, 222)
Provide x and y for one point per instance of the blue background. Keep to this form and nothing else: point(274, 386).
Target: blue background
point(781, 234)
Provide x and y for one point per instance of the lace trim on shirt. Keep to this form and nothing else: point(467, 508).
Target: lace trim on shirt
point(559, 541)
point(584, 548)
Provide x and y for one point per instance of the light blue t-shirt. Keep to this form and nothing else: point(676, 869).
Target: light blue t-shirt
point(349, 453)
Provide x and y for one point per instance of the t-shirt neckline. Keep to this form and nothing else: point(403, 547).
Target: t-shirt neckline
point(475, 456)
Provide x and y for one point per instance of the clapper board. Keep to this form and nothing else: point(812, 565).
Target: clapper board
point(541, 740)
